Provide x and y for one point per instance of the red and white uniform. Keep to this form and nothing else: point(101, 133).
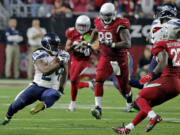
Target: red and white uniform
point(168, 85)
point(73, 35)
point(108, 55)
point(79, 61)
point(164, 88)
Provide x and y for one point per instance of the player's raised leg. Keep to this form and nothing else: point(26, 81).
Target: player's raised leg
point(24, 98)
point(47, 99)
point(89, 84)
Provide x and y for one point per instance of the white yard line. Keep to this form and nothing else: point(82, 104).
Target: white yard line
point(26, 82)
point(92, 119)
point(4, 96)
point(69, 128)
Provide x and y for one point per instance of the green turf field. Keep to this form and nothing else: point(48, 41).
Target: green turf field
point(58, 121)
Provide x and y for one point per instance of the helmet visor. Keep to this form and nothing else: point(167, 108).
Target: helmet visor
point(107, 18)
point(82, 28)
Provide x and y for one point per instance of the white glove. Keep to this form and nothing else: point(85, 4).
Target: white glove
point(64, 57)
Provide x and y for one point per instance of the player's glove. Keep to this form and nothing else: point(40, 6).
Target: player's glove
point(108, 43)
point(87, 50)
point(64, 58)
point(146, 78)
point(76, 46)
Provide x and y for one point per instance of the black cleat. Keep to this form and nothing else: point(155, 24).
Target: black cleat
point(5, 121)
point(96, 112)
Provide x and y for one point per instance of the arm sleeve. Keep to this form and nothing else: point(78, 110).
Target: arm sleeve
point(69, 33)
point(29, 33)
point(123, 24)
point(159, 46)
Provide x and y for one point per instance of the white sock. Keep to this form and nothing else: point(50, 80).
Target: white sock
point(98, 101)
point(73, 103)
point(130, 126)
point(151, 114)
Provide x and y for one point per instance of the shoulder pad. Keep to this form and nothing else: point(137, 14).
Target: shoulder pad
point(97, 21)
point(175, 22)
point(123, 22)
point(39, 54)
point(64, 54)
point(69, 32)
point(157, 21)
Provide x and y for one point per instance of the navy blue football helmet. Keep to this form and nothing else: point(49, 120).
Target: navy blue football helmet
point(166, 11)
point(51, 43)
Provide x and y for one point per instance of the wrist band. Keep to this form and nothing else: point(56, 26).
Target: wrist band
point(113, 45)
point(61, 63)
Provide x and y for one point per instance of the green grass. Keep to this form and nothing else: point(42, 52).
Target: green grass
point(58, 121)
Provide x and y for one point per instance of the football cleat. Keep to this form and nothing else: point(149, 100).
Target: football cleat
point(131, 110)
point(71, 108)
point(96, 112)
point(153, 122)
point(121, 130)
point(5, 121)
point(39, 107)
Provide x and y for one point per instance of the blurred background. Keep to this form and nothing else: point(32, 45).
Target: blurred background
point(19, 17)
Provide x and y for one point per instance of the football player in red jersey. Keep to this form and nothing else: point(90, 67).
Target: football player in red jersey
point(167, 51)
point(114, 40)
point(80, 52)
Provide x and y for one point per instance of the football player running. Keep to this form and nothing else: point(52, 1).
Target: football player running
point(165, 13)
point(80, 52)
point(51, 73)
point(114, 39)
point(166, 50)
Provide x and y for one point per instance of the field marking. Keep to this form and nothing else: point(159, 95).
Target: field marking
point(91, 119)
point(5, 96)
point(89, 107)
point(68, 128)
point(13, 83)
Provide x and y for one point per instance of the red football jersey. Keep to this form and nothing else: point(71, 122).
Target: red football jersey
point(111, 33)
point(172, 47)
point(77, 38)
